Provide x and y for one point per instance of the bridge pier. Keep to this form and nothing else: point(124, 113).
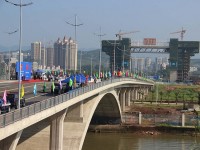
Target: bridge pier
point(122, 99)
point(10, 142)
point(127, 100)
point(56, 131)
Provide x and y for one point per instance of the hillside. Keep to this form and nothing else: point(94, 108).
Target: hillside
point(94, 55)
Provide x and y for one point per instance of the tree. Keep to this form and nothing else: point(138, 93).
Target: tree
point(176, 93)
point(152, 94)
point(199, 97)
point(169, 90)
point(161, 96)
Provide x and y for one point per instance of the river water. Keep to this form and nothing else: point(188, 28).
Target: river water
point(130, 141)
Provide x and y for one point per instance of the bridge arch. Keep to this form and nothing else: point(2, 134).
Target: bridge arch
point(107, 111)
point(105, 105)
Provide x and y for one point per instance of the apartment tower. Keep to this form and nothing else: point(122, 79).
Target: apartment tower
point(65, 54)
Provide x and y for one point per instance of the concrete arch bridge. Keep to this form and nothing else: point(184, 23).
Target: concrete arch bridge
point(61, 122)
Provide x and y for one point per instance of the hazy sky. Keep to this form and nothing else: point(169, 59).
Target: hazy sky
point(45, 20)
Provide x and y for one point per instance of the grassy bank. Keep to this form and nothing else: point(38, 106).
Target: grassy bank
point(174, 92)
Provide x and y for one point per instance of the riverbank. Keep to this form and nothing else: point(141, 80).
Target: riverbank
point(154, 119)
point(144, 130)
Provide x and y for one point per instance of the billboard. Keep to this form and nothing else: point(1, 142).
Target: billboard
point(149, 41)
point(26, 69)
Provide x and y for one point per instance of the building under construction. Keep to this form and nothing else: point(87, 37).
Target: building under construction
point(119, 52)
point(179, 60)
point(179, 55)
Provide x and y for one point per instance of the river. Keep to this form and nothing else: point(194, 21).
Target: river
point(130, 141)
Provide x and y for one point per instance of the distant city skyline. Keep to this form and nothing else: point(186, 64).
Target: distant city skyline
point(44, 22)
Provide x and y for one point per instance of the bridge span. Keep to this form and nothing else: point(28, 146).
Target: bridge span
point(69, 115)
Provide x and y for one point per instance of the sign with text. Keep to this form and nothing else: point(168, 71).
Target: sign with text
point(149, 41)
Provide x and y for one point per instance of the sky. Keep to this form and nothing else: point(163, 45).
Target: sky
point(45, 20)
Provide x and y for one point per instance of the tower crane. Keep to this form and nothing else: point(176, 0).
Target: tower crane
point(181, 32)
point(123, 33)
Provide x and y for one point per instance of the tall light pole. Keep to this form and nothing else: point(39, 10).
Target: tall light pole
point(20, 45)
point(100, 35)
point(123, 58)
point(75, 25)
point(114, 57)
point(80, 60)
point(91, 66)
point(10, 33)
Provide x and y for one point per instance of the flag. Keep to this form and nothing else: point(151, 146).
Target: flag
point(44, 85)
point(53, 87)
point(22, 92)
point(109, 74)
point(75, 81)
point(106, 74)
point(60, 84)
point(101, 75)
point(70, 82)
point(97, 75)
point(35, 90)
point(4, 97)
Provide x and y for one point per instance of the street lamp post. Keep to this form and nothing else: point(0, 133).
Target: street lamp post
point(114, 57)
point(91, 66)
point(80, 61)
point(123, 58)
point(100, 35)
point(20, 45)
point(75, 26)
point(10, 33)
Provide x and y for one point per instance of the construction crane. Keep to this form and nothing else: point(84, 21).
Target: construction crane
point(181, 32)
point(123, 33)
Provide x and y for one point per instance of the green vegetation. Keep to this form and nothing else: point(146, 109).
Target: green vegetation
point(165, 125)
point(167, 92)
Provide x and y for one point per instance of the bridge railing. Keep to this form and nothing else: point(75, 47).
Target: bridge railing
point(32, 109)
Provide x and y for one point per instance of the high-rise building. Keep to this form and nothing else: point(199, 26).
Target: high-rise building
point(140, 64)
point(65, 54)
point(36, 52)
point(158, 63)
point(119, 52)
point(43, 57)
point(50, 56)
point(134, 64)
point(165, 60)
point(1, 58)
point(147, 62)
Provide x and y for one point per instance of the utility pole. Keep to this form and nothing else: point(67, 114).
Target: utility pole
point(100, 35)
point(20, 45)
